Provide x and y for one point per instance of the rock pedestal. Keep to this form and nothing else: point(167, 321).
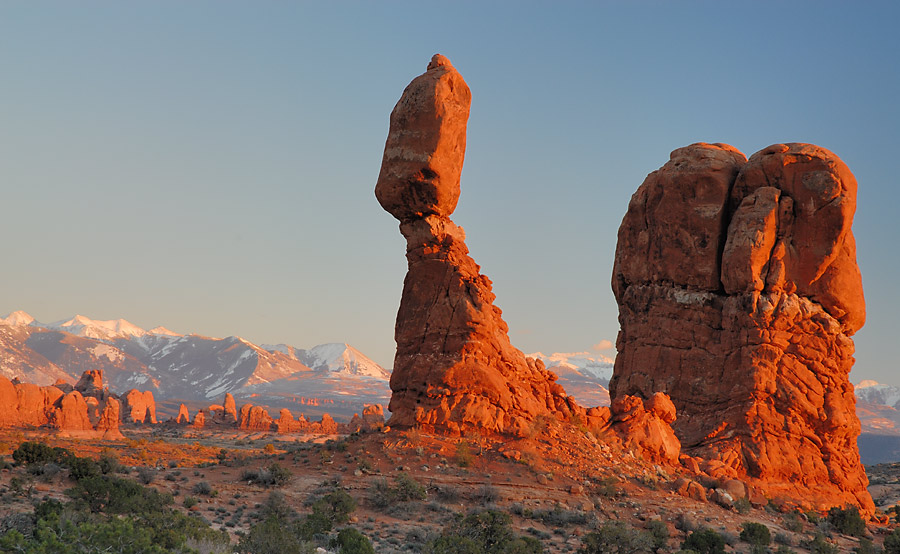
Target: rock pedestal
point(738, 292)
point(455, 368)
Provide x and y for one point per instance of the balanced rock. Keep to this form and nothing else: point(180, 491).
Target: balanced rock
point(140, 407)
point(455, 368)
point(738, 292)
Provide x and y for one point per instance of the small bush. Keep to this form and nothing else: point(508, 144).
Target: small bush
point(273, 476)
point(202, 488)
point(742, 505)
point(755, 534)
point(705, 541)
point(892, 542)
point(487, 531)
point(659, 534)
point(463, 455)
point(189, 502)
point(847, 521)
point(351, 541)
point(146, 475)
point(792, 522)
point(866, 547)
point(617, 537)
point(818, 545)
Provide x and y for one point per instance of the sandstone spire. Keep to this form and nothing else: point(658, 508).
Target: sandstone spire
point(455, 367)
point(738, 292)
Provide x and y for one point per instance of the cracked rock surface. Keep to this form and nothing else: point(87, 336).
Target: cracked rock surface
point(738, 293)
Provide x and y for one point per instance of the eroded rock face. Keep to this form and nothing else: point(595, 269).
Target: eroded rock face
point(455, 367)
point(255, 418)
point(738, 292)
point(140, 407)
point(91, 382)
point(183, 417)
point(230, 407)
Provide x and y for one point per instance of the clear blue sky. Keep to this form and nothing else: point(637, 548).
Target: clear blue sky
point(210, 166)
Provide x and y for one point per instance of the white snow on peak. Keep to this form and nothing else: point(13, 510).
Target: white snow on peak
point(162, 331)
point(594, 365)
point(341, 358)
point(89, 328)
point(17, 318)
point(877, 393)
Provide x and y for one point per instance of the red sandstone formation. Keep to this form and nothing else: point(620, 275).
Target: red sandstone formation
point(230, 408)
point(108, 424)
point(255, 418)
point(738, 292)
point(199, 420)
point(287, 424)
point(140, 407)
point(183, 417)
point(71, 414)
point(644, 426)
point(455, 367)
point(91, 382)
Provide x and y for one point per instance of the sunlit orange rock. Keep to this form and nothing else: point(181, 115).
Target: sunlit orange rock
point(9, 403)
point(230, 407)
point(110, 415)
point(140, 407)
point(91, 382)
point(199, 420)
point(738, 292)
point(183, 417)
point(71, 414)
point(286, 422)
point(255, 418)
point(644, 427)
point(455, 368)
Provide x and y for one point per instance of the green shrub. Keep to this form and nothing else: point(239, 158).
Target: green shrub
point(818, 545)
point(892, 542)
point(202, 488)
point(405, 489)
point(351, 541)
point(484, 532)
point(705, 541)
point(847, 521)
point(866, 547)
point(274, 475)
point(755, 533)
point(659, 534)
point(336, 506)
point(463, 455)
point(39, 453)
point(273, 536)
point(616, 537)
point(742, 505)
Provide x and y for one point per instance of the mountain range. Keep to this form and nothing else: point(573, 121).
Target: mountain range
point(334, 378)
point(190, 368)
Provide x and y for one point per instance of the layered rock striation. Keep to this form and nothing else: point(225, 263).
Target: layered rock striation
point(738, 293)
point(454, 367)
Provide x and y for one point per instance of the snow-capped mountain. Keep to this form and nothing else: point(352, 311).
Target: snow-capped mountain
point(190, 367)
point(591, 365)
point(873, 392)
point(338, 357)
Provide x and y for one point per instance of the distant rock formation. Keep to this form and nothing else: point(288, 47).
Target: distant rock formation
point(67, 413)
point(140, 407)
point(254, 418)
point(199, 420)
point(91, 382)
point(738, 292)
point(455, 368)
point(183, 417)
point(230, 407)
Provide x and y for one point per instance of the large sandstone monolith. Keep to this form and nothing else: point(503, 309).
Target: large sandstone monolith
point(455, 367)
point(140, 407)
point(738, 292)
